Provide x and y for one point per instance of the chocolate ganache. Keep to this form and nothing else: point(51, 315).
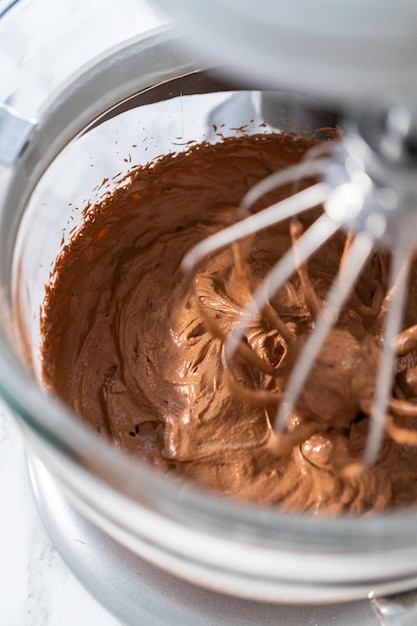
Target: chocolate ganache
point(130, 346)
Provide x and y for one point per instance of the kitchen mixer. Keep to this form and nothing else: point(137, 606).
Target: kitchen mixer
point(50, 420)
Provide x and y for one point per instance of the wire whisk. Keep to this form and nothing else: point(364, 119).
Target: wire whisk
point(340, 364)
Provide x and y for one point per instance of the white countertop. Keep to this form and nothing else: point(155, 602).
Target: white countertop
point(37, 589)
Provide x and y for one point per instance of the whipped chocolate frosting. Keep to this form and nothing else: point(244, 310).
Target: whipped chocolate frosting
point(130, 346)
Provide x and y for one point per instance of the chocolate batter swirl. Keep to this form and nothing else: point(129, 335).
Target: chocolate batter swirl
point(125, 344)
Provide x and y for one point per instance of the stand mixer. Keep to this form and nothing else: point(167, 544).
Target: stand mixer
point(286, 558)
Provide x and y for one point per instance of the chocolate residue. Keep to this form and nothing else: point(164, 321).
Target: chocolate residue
point(126, 346)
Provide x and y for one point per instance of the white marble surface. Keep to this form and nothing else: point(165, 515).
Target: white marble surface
point(36, 587)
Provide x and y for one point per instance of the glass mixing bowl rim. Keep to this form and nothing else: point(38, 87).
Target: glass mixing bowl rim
point(54, 424)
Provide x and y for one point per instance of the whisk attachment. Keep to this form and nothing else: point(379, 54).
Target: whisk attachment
point(367, 191)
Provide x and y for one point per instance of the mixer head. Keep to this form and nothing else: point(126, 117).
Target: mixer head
point(343, 52)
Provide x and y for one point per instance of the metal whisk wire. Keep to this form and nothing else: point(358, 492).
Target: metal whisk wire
point(285, 209)
point(342, 287)
point(399, 275)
